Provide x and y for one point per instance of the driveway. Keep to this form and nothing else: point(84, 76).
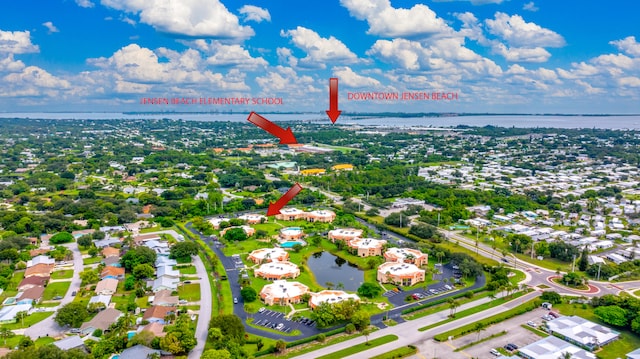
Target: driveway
point(49, 327)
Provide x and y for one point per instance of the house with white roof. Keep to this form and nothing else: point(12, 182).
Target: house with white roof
point(406, 255)
point(277, 270)
point(268, 254)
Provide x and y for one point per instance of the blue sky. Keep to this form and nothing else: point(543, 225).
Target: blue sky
point(544, 56)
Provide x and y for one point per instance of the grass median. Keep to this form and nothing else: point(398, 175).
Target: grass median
point(360, 347)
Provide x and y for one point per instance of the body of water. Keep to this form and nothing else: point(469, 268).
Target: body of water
point(328, 268)
point(610, 122)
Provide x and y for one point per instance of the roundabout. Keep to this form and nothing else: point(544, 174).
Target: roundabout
point(592, 289)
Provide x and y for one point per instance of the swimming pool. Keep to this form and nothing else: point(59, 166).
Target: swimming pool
point(290, 244)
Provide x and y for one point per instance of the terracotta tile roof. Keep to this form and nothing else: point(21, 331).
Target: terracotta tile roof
point(158, 311)
point(111, 252)
point(33, 281)
point(112, 271)
point(41, 270)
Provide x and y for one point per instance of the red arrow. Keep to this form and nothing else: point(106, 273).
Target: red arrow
point(274, 208)
point(333, 111)
point(286, 136)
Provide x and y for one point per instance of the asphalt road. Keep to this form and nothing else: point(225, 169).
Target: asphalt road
point(394, 313)
point(202, 328)
point(408, 333)
point(49, 327)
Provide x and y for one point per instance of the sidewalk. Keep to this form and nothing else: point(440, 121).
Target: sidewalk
point(408, 333)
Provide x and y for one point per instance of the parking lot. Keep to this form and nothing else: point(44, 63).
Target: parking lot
point(277, 321)
point(516, 334)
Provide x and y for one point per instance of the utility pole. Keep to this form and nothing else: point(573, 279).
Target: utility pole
point(573, 263)
point(599, 265)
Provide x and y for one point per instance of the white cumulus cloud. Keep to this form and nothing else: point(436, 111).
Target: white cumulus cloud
point(196, 18)
point(85, 3)
point(16, 42)
point(385, 20)
point(50, 26)
point(628, 45)
point(530, 6)
point(519, 33)
point(254, 13)
point(319, 49)
point(522, 54)
point(349, 78)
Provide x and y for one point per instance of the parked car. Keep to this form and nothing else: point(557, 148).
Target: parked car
point(262, 309)
point(494, 352)
point(280, 326)
point(235, 300)
point(532, 324)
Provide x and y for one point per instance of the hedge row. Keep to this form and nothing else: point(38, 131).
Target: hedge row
point(471, 327)
point(272, 348)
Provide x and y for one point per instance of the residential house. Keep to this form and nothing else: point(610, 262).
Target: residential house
point(169, 272)
point(156, 328)
point(165, 283)
point(112, 272)
point(634, 354)
point(40, 270)
point(102, 321)
point(164, 298)
point(366, 247)
point(33, 295)
point(104, 299)
point(111, 261)
point(33, 281)
point(165, 261)
point(107, 286)
point(110, 252)
point(8, 313)
point(107, 242)
point(40, 259)
point(406, 255)
point(157, 314)
point(68, 343)
point(141, 238)
point(139, 351)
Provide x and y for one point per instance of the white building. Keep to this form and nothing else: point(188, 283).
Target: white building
point(277, 270)
point(582, 332)
point(282, 292)
point(331, 297)
point(553, 348)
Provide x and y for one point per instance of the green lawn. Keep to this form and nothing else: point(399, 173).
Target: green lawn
point(29, 320)
point(190, 292)
point(44, 341)
point(518, 276)
point(142, 302)
point(62, 274)
point(401, 352)
point(11, 342)
point(473, 310)
point(55, 289)
point(618, 349)
point(91, 260)
point(187, 270)
point(360, 347)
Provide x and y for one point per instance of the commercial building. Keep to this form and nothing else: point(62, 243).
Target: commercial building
point(406, 255)
point(581, 332)
point(320, 216)
point(282, 292)
point(366, 247)
point(291, 233)
point(263, 255)
point(277, 270)
point(331, 297)
point(553, 348)
point(290, 214)
point(344, 234)
point(404, 274)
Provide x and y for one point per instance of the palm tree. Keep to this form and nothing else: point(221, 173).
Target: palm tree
point(479, 327)
point(565, 355)
point(453, 304)
point(366, 332)
point(439, 255)
point(5, 333)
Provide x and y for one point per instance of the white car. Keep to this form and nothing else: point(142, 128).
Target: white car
point(262, 309)
point(532, 324)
